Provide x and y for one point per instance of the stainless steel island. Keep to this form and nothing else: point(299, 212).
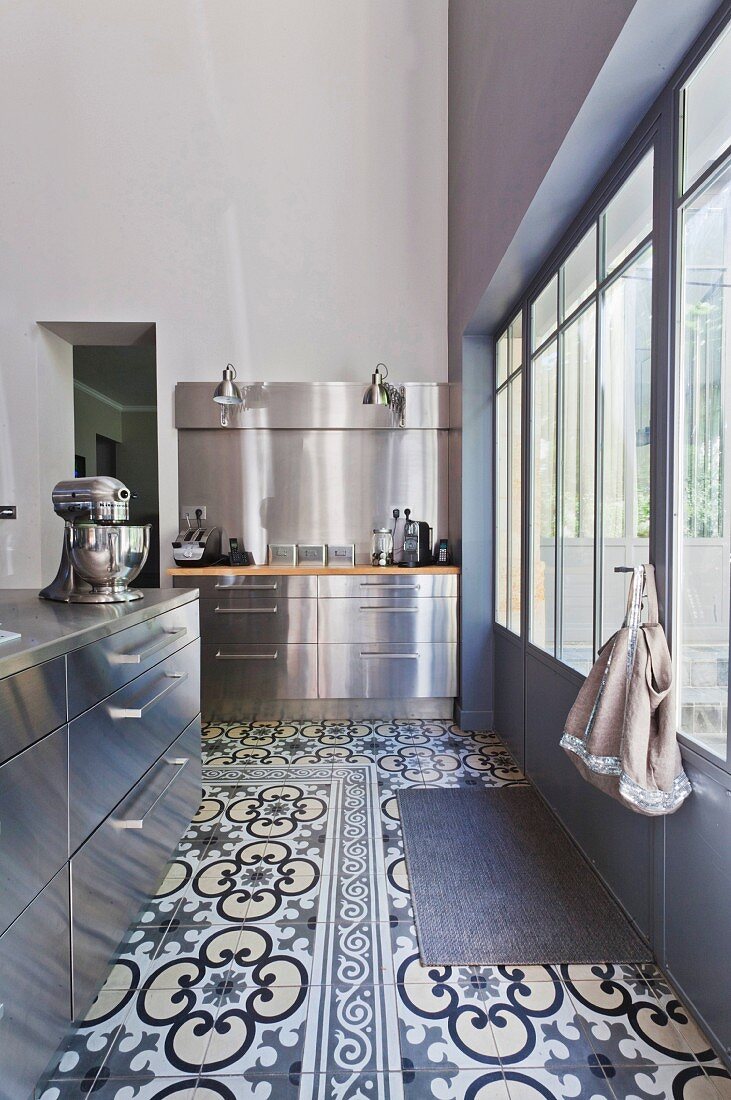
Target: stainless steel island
point(100, 772)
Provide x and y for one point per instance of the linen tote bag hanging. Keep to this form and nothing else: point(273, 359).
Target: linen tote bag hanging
point(620, 732)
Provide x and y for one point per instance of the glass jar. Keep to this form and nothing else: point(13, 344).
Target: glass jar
point(382, 546)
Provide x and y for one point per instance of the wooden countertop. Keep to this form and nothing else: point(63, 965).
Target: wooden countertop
point(306, 570)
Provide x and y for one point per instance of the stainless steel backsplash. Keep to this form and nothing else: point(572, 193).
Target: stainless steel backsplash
point(317, 484)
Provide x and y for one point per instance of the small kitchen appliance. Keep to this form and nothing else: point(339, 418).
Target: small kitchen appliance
point(198, 545)
point(417, 542)
point(102, 551)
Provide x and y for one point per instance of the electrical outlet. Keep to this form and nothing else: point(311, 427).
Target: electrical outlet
point(190, 509)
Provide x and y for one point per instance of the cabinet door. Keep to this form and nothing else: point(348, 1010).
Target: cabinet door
point(387, 620)
point(96, 670)
point(32, 703)
point(33, 822)
point(35, 995)
point(115, 742)
point(248, 618)
point(232, 673)
point(119, 866)
point(388, 671)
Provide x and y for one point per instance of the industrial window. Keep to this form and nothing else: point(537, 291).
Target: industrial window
point(508, 474)
point(703, 481)
point(590, 339)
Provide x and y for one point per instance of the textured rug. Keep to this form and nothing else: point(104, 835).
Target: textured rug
point(496, 881)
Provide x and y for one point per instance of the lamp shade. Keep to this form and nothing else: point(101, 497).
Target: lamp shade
point(227, 392)
point(376, 393)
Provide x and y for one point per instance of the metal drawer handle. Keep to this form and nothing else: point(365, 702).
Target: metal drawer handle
point(247, 656)
point(401, 610)
point(140, 712)
point(246, 610)
point(247, 587)
point(169, 636)
point(139, 822)
point(390, 656)
point(385, 584)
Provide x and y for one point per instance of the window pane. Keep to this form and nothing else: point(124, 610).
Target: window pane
point(502, 359)
point(577, 491)
point(579, 273)
point(703, 495)
point(501, 510)
point(515, 503)
point(628, 218)
point(543, 499)
point(544, 314)
point(625, 381)
point(516, 343)
point(707, 111)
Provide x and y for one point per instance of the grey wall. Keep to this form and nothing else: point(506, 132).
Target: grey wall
point(518, 75)
point(519, 72)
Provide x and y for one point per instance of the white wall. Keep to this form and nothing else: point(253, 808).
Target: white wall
point(265, 181)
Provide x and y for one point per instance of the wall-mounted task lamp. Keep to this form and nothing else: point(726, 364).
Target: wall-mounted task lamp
point(381, 392)
point(227, 393)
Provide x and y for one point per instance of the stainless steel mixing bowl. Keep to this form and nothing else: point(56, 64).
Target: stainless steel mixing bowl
point(108, 557)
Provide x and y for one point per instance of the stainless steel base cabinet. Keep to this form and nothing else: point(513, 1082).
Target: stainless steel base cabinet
point(119, 866)
point(234, 674)
point(33, 822)
point(35, 995)
point(115, 742)
point(388, 670)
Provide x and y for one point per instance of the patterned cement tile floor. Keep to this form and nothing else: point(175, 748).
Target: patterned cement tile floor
point(278, 958)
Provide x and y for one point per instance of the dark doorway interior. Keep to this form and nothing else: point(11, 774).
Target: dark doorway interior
point(115, 427)
point(106, 456)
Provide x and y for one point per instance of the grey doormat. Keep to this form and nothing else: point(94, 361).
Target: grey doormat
point(496, 881)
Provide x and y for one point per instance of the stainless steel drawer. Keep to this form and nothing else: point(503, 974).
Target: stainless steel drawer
point(33, 822)
point(251, 619)
point(34, 989)
point(113, 744)
point(120, 865)
point(292, 587)
point(233, 674)
point(100, 668)
point(32, 703)
point(427, 670)
point(409, 583)
point(387, 620)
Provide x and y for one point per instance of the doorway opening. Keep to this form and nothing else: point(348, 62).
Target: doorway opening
point(115, 430)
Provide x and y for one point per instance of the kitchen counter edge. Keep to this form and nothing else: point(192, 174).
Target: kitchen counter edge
point(45, 635)
point(308, 570)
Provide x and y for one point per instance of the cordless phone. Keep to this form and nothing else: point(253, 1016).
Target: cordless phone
point(236, 556)
point(442, 555)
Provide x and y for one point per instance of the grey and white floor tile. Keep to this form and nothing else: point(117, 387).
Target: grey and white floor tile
point(278, 957)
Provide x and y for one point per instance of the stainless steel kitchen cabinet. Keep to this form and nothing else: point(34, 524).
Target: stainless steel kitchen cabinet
point(234, 674)
point(369, 620)
point(33, 822)
point(367, 635)
point(132, 778)
point(119, 866)
point(32, 703)
point(388, 670)
point(35, 991)
point(409, 583)
point(250, 618)
point(115, 742)
point(96, 670)
point(287, 586)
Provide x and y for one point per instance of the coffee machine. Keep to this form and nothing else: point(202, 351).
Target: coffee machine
point(417, 542)
point(102, 551)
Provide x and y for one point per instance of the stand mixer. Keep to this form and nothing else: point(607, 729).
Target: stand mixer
point(102, 551)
